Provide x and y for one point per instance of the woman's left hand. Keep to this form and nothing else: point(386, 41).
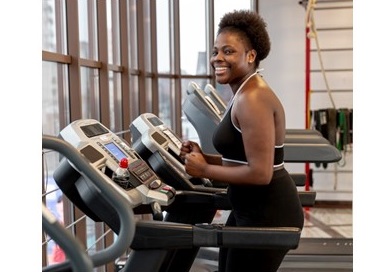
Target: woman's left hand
point(195, 164)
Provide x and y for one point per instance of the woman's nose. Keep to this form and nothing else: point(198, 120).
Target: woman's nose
point(217, 57)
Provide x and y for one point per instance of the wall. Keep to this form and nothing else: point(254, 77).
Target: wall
point(284, 69)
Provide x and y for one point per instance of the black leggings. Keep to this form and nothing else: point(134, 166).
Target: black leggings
point(273, 205)
point(247, 260)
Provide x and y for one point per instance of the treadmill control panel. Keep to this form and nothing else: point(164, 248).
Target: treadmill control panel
point(104, 149)
point(160, 146)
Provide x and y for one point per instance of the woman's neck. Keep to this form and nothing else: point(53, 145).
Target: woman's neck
point(238, 86)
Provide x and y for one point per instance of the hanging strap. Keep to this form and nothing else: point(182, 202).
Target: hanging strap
point(344, 129)
point(331, 125)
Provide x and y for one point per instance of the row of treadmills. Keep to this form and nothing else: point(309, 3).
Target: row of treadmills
point(182, 207)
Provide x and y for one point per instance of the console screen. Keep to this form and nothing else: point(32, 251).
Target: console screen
point(115, 151)
point(155, 121)
point(173, 137)
point(91, 153)
point(93, 130)
point(158, 138)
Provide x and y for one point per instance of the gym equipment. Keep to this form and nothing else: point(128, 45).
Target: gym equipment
point(157, 144)
point(105, 149)
point(212, 94)
point(203, 114)
point(156, 240)
point(72, 247)
point(196, 202)
point(152, 137)
point(111, 195)
point(301, 145)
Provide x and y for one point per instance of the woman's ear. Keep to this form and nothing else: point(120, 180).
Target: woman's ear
point(251, 55)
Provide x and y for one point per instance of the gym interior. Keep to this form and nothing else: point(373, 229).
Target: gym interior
point(133, 78)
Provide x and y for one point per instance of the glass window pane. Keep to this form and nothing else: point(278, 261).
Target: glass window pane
point(48, 26)
point(113, 25)
point(133, 49)
point(90, 93)
point(110, 29)
point(88, 29)
point(50, 99)
point(55, 101)
point(148, 101)
point(92, 235)
point(147, 35)
point(55, 98)
point(115, 101)
point(83, 28)
point(165, 100)
point(53, 201)
point(53, 26)
point(193, 38)
point(134, 96)
point(163, 37)
point(188, 131)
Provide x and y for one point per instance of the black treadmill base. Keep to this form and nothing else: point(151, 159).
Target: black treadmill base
point(296, 264)
point(323, 259)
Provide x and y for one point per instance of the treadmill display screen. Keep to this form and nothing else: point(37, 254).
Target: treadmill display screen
point(155, 121)
point(93, 130)
point(115, 151)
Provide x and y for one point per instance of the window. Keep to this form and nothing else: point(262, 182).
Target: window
point(116, 60)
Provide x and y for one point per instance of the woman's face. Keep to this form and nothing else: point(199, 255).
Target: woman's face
point(230, 57)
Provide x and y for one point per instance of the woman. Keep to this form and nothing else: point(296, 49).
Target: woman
point(250, 139)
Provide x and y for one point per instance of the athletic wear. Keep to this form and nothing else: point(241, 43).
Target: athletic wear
point(227, 140)
point(274, 205)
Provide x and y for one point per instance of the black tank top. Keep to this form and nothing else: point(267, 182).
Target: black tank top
point(227, 140)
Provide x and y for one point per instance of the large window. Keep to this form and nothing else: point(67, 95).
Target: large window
point(116, 60)
point(113, 60)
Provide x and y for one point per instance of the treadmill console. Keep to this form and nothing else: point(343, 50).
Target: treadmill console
point(210, 101)
point(104, 149)
point(160, 146)
point(156, 136)
point(212, 94)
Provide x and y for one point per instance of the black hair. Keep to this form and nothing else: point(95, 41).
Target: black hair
point(253, 26)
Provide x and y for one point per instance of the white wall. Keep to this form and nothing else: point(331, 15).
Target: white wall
point(284, 67)
point(284, 70)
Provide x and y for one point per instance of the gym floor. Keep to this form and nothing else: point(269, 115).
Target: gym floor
point(326, 243)
point(328, 223)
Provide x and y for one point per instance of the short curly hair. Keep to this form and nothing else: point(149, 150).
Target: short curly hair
point(253, 26)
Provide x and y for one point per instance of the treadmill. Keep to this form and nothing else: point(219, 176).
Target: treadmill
point(77, 258)
point(153, 241)
point(196, 201)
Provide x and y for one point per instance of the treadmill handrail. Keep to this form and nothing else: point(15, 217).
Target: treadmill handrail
point(182, 236)
point(194, 88)
point(211, 91)
point(311, 152)
point(80, 261)
point(109, 193)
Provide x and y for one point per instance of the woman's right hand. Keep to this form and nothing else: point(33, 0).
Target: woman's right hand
point(188, 147)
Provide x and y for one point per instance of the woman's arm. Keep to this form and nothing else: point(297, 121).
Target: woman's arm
point(190, 146)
